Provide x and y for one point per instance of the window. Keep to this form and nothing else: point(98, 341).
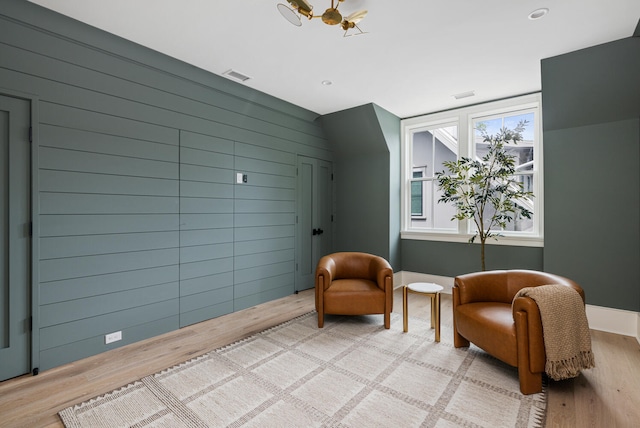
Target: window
point(430, 147)
point(430, 140)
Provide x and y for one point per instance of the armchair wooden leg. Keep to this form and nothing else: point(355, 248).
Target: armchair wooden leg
point(405, 309)
point(458, 340)
point(387, 320)
point(530, 383)
point(320, 320)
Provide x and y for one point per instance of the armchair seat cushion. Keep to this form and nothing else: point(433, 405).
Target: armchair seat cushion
point(490, 326)
point(354, 297)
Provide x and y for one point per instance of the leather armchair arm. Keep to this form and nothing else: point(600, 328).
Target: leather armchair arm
point(326, 270)
point(528, 305)
point(530, 344)
point(526, 314)
point(383, 273)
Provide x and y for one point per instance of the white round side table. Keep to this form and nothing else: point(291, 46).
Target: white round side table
point(427, 288)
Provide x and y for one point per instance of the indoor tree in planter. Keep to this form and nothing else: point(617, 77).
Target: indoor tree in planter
point(486, 190)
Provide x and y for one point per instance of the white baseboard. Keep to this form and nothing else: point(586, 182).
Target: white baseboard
point(611, 320)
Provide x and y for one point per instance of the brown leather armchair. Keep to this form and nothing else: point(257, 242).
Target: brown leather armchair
point(485, 314)
point(351, 283)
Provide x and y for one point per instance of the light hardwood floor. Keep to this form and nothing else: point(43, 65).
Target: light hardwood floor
point(607, 396)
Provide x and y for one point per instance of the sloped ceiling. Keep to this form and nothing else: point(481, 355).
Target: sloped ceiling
point(416, 55)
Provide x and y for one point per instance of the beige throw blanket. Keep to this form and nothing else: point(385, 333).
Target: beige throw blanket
point(567, 339)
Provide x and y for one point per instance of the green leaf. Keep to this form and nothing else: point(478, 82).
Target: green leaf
point(479, 187)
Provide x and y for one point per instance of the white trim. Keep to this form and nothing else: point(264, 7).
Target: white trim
point(611, 320)
point(519, 241)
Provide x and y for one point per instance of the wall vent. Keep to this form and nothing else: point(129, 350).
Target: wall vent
point(236, 75)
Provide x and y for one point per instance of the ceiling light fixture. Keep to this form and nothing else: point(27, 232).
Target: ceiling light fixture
point(464, 95)
point(331, 16)
point(538, 13)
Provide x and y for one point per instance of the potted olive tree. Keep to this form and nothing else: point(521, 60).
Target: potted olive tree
point(486, 190)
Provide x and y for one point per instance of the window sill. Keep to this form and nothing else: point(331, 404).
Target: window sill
point(516, 241)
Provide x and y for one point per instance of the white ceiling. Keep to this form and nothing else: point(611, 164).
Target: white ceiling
point(415, 56)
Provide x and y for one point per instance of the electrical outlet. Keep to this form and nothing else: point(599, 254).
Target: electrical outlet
point(112, 337)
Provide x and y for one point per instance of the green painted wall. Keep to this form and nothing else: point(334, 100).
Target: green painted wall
point(366, 143)
point(452, 259)
point(139, 224)
point(591, 111)
point(390, 127)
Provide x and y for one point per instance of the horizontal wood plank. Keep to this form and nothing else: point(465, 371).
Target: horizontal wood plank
point(95, 141)
point(79, 246)
point(78, 309)
point(95, 224)
point(105, 184)
point(76, 267)
point(203, 284)
point(78, 288)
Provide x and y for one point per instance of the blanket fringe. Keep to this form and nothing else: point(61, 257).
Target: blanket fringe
point(570, 368)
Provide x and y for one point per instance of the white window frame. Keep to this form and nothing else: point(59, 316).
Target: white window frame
point(464, 117)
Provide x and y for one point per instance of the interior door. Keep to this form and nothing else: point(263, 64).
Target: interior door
point(315, 211)
point(15, 302)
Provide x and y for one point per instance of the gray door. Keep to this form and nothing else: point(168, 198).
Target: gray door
point(15, 159)
point(314, 217)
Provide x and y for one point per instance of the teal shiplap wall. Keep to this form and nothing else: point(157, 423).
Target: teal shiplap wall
point(139, 223)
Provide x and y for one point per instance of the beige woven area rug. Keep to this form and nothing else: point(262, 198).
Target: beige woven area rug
point(351, 373)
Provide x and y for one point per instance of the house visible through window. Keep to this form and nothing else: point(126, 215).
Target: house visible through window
point(430, 140)
point(431, 146)
point(521, 152)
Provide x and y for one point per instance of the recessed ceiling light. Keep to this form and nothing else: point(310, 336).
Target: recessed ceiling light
point(538, 13)
point(327, 82)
